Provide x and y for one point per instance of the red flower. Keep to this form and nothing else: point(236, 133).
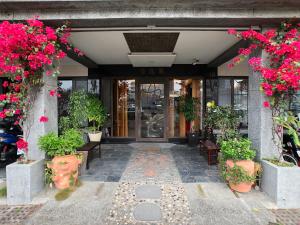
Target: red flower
point(5, 84)
point(52, 92)
point(266, 104)
point(2, 97)
point(44, 119)
point(2, 114)
point(22, 144)
point(232, 31)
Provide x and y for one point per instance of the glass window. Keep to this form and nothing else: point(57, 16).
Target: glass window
point(80, 84)
point(240, 99)
point(224, 92)
point(65, 88)
point(178, 126)
point(211, 90)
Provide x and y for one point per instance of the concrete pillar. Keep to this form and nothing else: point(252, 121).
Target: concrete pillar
point(44, 105)
point(259, 117)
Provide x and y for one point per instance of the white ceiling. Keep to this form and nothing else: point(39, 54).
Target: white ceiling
point(110, 47)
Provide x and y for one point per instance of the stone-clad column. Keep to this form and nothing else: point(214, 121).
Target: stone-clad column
point(45, 105)
point(259, 117)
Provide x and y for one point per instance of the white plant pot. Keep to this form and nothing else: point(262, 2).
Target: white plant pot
point(24, 181)
point(281, 184)
point(95, 136)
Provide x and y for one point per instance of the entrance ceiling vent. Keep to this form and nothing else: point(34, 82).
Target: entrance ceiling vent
point(151, 49)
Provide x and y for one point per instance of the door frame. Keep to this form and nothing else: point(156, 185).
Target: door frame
point(138, 123)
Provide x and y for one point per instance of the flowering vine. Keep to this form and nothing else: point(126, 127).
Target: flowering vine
point(280, 73)
point(27, 52)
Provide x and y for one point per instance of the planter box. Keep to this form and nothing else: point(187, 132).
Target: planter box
point(281, 184)
point(24, 181)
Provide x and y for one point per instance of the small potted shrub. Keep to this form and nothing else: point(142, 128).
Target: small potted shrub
point(188, 106)
point(238, 167)
point(96, 117)
point(62, 151)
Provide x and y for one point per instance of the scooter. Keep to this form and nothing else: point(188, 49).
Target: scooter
point(9, 135)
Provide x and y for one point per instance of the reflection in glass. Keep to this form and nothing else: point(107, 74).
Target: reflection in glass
point(152, 110)
point(124, 108)
point(94, 86)
point(65, 88)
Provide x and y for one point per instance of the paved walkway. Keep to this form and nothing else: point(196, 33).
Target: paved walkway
point(157, 184)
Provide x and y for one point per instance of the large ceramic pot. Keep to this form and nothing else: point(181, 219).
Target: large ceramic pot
point(65, 170)
point(248, 166)
point(95, 137)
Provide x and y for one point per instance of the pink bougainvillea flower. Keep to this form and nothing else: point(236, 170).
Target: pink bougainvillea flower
point(3, 97)
point(52, 92)
point(44, 119)
point(232, 31)
point(22, 144)
point(266, 104)
point(17, 112)
point(2, 114)
point(5, 84)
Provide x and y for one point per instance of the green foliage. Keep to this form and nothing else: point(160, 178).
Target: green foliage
point(64, 123)
point(237, 175)
point(48, 175)
point(237, 149)
point(65, 144)
point(225, 119)
point(96, 113)
point(3, 192)
point(291, 123)
point(188, 107)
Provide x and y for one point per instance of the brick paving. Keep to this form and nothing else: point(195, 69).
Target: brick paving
point(287, 217)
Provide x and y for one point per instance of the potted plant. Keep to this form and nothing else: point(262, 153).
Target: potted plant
point(238, 167)
point(188, 106)
point(62, 150)
point(96, 117)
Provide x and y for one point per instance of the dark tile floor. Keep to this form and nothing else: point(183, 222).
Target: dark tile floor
point(192, 166)
point(112, 164)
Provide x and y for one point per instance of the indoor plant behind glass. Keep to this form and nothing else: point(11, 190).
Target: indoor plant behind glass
point(65, 161)
point(96, 115)
point(188, 106)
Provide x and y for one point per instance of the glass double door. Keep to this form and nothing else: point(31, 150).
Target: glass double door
point(151, 111)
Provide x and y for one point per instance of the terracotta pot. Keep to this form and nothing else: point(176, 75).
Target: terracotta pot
point(65, 170)
point(247, 165)
point(96, 137)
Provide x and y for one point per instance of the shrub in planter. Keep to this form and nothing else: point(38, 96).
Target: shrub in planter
point(238, 167)
point(65, 161)
point(96, 117)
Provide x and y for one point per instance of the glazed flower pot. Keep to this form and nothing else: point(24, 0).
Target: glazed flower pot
point(193, 139)
point(65, 170)
point(95, 137)
point(248, 166)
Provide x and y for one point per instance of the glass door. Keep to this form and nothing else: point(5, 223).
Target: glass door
point(151, 111)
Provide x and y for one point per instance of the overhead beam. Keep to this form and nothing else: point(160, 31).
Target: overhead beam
point(84, 60)
point(228, 54)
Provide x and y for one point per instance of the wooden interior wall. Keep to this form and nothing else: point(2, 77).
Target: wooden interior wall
point(182, 121)
point(196, 94)
point(122, 110)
